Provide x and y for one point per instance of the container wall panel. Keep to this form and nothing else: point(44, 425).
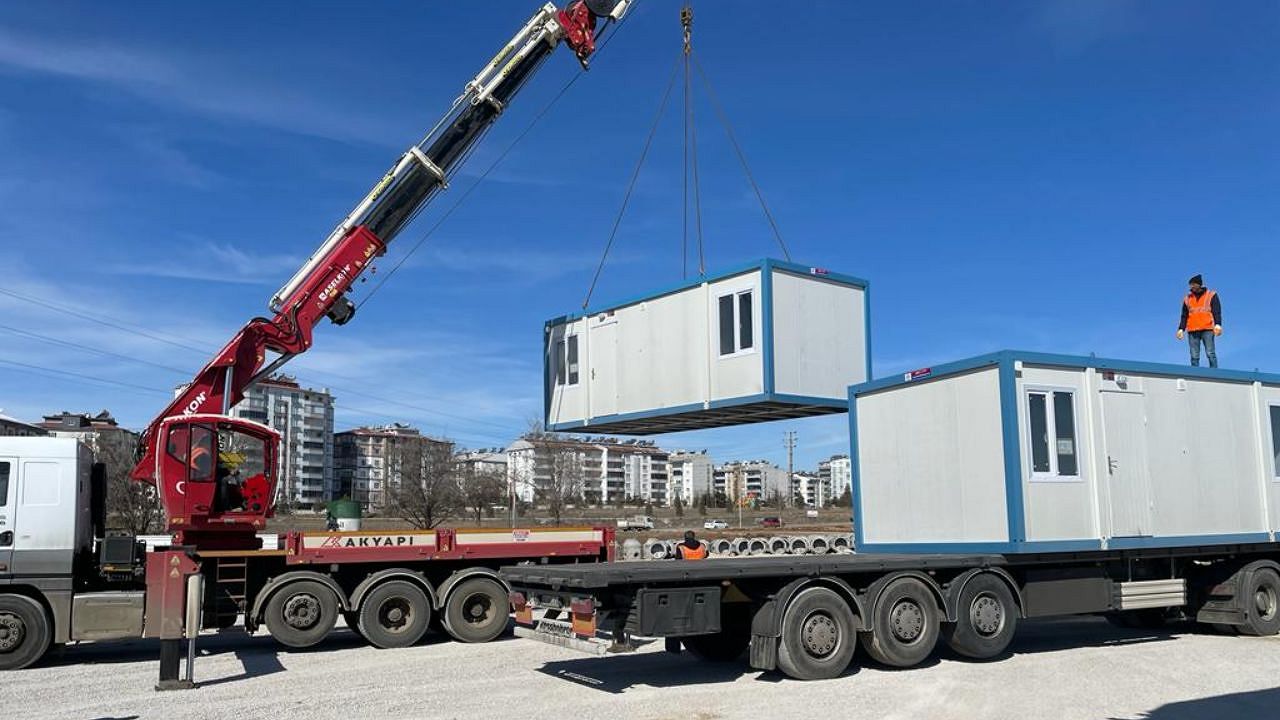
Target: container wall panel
point(1059, 507)
point(822, 327)
point(930, 462)
point(1269, 450)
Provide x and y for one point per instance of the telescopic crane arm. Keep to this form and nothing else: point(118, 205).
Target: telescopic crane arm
point(319, 287)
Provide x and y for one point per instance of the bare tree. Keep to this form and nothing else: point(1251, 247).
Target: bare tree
point(132, 506)
point(480, 489)
point(422, 484)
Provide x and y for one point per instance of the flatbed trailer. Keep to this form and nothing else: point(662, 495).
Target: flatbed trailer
point(806, 615)
point(1007, 486)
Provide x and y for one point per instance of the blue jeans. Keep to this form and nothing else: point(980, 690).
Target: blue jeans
point(1194, 339)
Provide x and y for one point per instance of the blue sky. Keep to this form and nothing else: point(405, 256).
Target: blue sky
point(1035, 175)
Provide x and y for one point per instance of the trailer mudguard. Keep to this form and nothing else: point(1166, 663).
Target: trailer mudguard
point(450, 582)
point(273, 585)
point(1223, 603)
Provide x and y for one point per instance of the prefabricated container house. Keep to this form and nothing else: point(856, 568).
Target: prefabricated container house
point(1025, 452)
point(764, 341)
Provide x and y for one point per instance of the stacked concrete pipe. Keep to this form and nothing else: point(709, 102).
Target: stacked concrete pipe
point(657, 549)
point(819, 544)
point(779, 545)
point(841, 544)
point(722, 546)
point(741, 546)
point(799, 545)
point(757, 546)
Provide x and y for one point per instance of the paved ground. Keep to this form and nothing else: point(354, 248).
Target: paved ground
point(1077, 668)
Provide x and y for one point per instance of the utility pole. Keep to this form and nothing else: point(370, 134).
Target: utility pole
point(737, 491)
point(790, 442)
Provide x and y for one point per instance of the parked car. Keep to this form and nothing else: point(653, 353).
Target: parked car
point(715, 525)
point(772, 521)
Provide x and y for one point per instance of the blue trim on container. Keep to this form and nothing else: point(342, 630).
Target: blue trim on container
point(1015, 509)
point(766, 309)
point(1132, 543)
point(855, 473)
point(866, 325)
point(697, 407)
point(1071, 361)
point(623, 417)
point(979, 548)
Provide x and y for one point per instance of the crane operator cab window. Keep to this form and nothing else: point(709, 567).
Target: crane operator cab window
point(234, 461)
point(241, 471)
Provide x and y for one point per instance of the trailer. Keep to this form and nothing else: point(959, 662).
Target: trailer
point(988, 491)
point(62, 580)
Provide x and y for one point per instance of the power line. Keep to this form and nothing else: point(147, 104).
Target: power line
point(80, 376)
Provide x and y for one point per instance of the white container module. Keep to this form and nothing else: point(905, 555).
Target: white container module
point(1027, 452)
point(765, 341)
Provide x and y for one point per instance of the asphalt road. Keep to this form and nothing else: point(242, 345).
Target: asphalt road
point(1075, 668)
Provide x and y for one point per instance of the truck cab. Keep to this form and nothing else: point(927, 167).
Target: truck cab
point(51, 507)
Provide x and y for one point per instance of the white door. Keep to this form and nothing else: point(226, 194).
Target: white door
point(1124, 423)
point(603, 352)
point(8, 511)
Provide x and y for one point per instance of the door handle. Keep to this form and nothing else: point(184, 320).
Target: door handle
point(1112, 465)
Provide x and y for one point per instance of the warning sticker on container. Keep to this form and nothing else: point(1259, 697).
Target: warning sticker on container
point(917, 374)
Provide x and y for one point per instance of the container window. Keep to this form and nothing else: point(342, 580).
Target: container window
point(737, 323)
point(1275, 441)
point(1039, 433)
point(1051, 418)
point(727, 344)
point(572, 359)
point(565, 359)
point(4, 484)
point(1064, 421)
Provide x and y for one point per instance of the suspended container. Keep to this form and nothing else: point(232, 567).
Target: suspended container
point(766, 341)
point(1030, 452)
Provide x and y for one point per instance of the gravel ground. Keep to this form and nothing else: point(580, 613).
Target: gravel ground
point(1075, 668)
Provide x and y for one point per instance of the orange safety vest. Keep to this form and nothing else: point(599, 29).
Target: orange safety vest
point(688, 553)
point(1199, 311)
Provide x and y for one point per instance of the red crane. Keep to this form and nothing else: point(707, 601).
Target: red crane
point(216, 475)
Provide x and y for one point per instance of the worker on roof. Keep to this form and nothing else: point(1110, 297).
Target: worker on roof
point(1201, 321)
point(690, 549)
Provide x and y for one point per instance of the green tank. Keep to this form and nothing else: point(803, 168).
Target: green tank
point(344, 514)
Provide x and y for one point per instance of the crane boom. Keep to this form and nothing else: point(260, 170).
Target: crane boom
point(318, 289)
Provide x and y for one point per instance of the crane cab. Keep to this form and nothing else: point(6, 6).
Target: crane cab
point(217, 479)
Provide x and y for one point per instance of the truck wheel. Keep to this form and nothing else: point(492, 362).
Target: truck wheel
point(904, 624)
point(301, 613)
point(986, 620)
point(24, 632)
point(477, 610)
point(1261, 602)
point(818, 636)
point(395, 614)
point(352, 621)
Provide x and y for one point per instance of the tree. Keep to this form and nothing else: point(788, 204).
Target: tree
point(422, 481)
point(845, 499)
point(564, 480)
point(132, 506)
point(480, 489)
point(702, 504)
point(679, 506)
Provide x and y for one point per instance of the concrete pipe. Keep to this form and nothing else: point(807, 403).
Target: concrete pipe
point(819, 545)
point(757, 546)
point(741, 546)
point(799, 545)
point(722, 546)
point(657, 550)
point(841, 544)
point(632, 549)
point(779, 546)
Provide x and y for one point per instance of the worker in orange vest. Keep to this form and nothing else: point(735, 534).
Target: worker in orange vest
point(690, 549)
point(1201, 321)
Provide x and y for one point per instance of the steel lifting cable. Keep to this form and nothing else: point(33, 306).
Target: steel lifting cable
point(492, 166)
point(691, 146)
point(742, 158)
point(631, 186)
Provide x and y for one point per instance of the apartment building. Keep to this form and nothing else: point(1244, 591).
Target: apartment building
point(367, 461)
point(304, 419)
point(601, 471)
point(690, 476)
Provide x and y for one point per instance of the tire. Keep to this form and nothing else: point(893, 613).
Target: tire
point(25, 633)
point(1261, 603)
point(819, 636)
point(395, 614)
point(987, 618)
point(301, 614)
point(352, 621)
point(904, 624)
point(728, 644)
point(477, 610)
